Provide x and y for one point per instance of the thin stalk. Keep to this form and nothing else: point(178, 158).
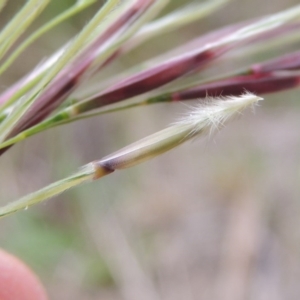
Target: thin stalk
point(20, 23)
point(202, 120)
point(64, 117)
point(76, 8)
point(85, 174)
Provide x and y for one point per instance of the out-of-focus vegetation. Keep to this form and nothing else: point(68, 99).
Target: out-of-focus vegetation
point(215, 219)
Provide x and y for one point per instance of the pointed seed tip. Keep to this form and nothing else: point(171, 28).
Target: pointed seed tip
point(251, 96)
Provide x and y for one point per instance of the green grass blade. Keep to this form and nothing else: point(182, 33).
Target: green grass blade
point(86, 174)
point(64, 117)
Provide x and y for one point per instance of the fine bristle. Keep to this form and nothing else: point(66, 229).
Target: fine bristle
point(215, 111)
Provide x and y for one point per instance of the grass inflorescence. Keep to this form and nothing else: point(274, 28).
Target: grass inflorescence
point(44, 98)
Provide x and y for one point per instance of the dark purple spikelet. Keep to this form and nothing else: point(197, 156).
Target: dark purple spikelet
point(147, 80)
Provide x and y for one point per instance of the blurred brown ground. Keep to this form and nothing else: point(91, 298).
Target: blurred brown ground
point(214, 219)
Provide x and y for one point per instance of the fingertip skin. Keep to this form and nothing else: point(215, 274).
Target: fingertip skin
point(17, 281)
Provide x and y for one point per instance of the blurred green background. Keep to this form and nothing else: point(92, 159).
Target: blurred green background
point(214, 219)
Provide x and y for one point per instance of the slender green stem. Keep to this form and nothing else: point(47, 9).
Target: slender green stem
point(20, 23)
point(64, 117)
point(86, 174)
point(76, 8)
